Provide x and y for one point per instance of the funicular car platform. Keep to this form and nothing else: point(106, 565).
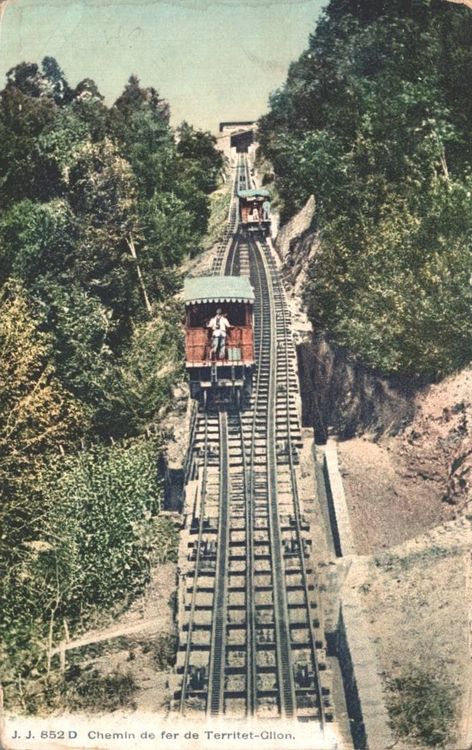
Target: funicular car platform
point(219, 307)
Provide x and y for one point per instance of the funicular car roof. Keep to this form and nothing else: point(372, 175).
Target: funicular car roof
point(203, 289)
point(254, 193)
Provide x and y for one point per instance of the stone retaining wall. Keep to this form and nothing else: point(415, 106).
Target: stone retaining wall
point(337, 506)
point(354, 643)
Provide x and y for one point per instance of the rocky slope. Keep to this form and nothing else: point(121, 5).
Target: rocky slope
point(419, 478)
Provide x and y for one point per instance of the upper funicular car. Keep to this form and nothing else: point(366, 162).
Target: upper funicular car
point(219, 344)
point(254, 210)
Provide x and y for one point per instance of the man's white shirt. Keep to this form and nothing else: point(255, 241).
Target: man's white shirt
point(219, 330)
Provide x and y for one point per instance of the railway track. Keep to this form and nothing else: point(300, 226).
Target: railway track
point(251, 642)
point(223, 250)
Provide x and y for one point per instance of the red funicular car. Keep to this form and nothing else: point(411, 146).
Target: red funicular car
point(219, 343)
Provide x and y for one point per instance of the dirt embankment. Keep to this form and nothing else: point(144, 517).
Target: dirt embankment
point(296, 245)
point(417, 479)
point(141, 644)
point(468, 3)
point(417, 600)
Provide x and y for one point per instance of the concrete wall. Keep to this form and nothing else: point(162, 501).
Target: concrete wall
point(337, 506)
point(175, 460)
point(359, 666)
point(353, 643)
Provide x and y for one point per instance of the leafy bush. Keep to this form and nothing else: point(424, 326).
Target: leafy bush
point(95, 541)
point(165, 540)
point(91, 691)
point(142, 380)
point(165, 651)
point(79, 689)
point(99, 509)
point(422, 707)
point(220, 203)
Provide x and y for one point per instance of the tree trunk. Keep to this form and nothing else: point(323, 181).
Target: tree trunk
point(132, 250)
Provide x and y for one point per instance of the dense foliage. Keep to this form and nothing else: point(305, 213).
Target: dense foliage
point(99, 206)
point(375, 120)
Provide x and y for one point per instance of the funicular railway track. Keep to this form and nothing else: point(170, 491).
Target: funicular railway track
point(250, 644)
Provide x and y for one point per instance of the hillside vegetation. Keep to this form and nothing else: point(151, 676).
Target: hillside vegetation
point(375, 120)
point(99, 207)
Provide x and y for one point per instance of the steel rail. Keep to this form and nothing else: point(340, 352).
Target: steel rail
point(188, 647)
point(251, 658)
point(225, 243)
point(216, 679)
point(254, 502)
point(223, 253)
point(282, 629)
point(297, 514)
point(249, 479)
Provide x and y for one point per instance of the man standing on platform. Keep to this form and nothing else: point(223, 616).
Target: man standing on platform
point(219, 325)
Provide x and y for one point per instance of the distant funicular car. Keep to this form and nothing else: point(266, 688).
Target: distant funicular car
point(219, 359)
point(254, 210)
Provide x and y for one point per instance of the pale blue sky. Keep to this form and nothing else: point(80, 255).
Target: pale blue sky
point(212, 59)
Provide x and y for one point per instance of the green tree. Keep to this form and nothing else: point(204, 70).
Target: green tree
point(143, 380)
point(88, 105)
point(199, 157)
point(54, 75)
point(103, 196)
point(99, 207)
point(23, 173)
point(35, 237)
point(36, 413)
point(368, 121)
point(82, 328)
